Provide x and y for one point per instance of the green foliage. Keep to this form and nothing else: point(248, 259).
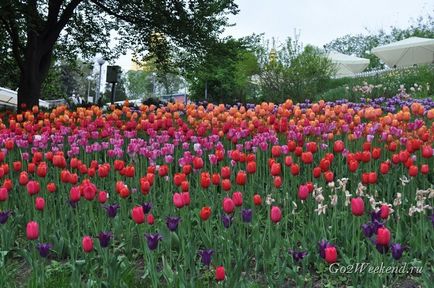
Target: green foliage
point(295, 73)
point(224, 73)
point(35, 32)
point(139, 84)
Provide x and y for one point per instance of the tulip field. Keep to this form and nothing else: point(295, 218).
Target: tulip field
point(204, 195)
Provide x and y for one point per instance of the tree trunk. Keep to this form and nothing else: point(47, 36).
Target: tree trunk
point(29, 91)
point(37, 61)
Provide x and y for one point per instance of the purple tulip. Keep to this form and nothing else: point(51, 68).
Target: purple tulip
point(44, 249)
point(4, 215)
point(322, 245)
point(153, 240)
point(147, 206)
point(205, 256)
point(397, 250)
point(246, 215)
point(227, 220)
point(297, 255)
point(104, 238)
point(112, 210)
point(172, 222)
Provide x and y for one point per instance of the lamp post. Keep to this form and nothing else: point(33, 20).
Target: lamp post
point(100, 62)
point(89, 79)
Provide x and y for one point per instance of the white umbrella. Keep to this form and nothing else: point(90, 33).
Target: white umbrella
point(407, 52)
point(347, 65)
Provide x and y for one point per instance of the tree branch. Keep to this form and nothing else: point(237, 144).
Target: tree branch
point(53, 12)
point(53, 33)
point(17, 47)
point(113, 13)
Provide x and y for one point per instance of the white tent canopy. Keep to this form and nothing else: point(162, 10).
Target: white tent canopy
point(347, 65)
point(407, 52)
point(9, 98)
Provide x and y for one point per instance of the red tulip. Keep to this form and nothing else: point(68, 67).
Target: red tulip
point(225, 172)
point(31, 167)
point(383, 236)
point(338, 146)
point(237, 197)
point(275, 169)
point(138, 215)
point(241, 178)
point(413, 170)
point(185, 186)
point(145, 186)
point(163, 170)
point(307, 157)
point(376, 153)
point(251, 167)
point(178, 178)
point(228, 205)
point(276, 151)
point(197, 163)
point(220, 273)
point(205, 213)
point(311, 147)
point(295, 169)
point(424, 169)
point(4, 194)
point(226, 184)
point(257, 200)
point(366, 146)
point(205, 180)
point(331, 254)
point(303, 192)
point(275, 214)
point(353, 166)
point(298, 151)
point(277, 181)
point(324, 164)
point(39, 203)
point(17, 166)
point(215, 179)
point(87, 244)
point(33, 187)
point(384, 168)
point(178, 200)
point(384, 211)
point(357, 206)
point(366, 156)
point(291, 146)
point(316, 172)
point(186, 169)
point(328, 176)
point(32, 230)
point(372, 176)
point(186, 198)
point(427, 151)
point(150, 219)
point(102, 197)
point(23, 178)
point(288, 161)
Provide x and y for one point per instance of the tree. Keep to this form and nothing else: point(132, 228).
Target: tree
point(139, 84)
point(38, 29)
point(224, 73)
point(293, 71)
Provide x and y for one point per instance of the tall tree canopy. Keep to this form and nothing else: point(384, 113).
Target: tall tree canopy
point(35, 31)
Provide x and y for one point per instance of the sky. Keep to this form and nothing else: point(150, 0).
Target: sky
point(318, 22)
